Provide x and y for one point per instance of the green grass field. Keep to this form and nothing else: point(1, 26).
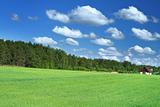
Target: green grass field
point(27, 87)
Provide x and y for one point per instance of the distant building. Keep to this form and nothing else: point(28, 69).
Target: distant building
point(146, 70)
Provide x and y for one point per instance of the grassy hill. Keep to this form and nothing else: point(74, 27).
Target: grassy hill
point(27, 87)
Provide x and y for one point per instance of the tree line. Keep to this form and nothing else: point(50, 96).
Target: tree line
point(18, 53)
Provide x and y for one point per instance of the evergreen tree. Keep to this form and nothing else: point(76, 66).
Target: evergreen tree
point(34, 55)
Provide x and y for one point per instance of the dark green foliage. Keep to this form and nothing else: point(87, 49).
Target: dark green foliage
point(34, 55)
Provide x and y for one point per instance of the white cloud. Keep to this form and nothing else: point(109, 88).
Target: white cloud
point(84, 56)
point(81, 14)
point(54, 15)
point(44, 41)
point(110, 53)
point(141, 50)
point(15, 17)
point(89, 15)
point(145, 34)
point(79, 49)
point(154, 19)
point(65, 31)
point(83, 51)
point(115, 58)
point(103, 42)
point(142, 56)
point(147, 61)
point(34, 18)
point(71, 41)
point(72, 33)
point(127, 58)
point(137, 61)
point(92, 35)
point(115, 33)
point(132, 13)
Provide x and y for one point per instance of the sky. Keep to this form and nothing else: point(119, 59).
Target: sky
point(121, 30)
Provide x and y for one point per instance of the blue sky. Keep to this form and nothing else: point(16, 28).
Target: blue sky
point(109, 29)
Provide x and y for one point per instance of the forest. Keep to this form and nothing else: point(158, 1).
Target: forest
point(18, 53)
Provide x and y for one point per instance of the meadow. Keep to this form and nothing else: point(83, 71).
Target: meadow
point(30, 87)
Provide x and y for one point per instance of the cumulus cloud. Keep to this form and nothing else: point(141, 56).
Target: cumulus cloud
point(103, 42)
point(132, 13)
point(34, 18)
point(15, 17)
point(71, 41)
point(115, 58)
point(44, 41)
point(110, 53)
point(89, 15)
point(144, 60)
point(81, 14)
point(79, 49)
point(127, 58)
point(65, 31)
point(145, 34)
point(115, 33)
point(84, 56)
point(72, 33)
point(54, 15)
point(92, 35)
point(83, 51)
point(154, 19)
point(142, 56)
point(147, 61)
point(141, 50)
point(137, 61)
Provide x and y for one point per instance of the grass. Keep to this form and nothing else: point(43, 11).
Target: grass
point(27, 87)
